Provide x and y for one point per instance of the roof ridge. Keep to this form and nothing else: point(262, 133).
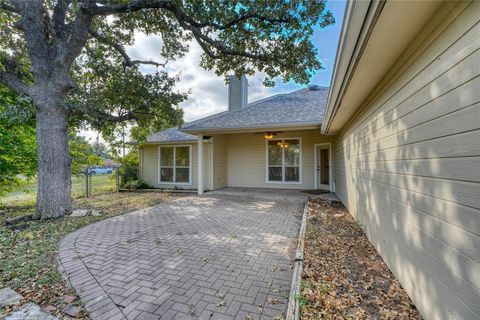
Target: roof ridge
point(265, 99)
point(274, 96)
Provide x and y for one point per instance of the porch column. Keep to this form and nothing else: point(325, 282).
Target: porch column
point(200, 165)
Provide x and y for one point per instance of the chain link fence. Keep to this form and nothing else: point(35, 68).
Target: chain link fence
point(96, 180)
point(89, 182)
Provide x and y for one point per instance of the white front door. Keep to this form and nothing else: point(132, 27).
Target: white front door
point(322, 167)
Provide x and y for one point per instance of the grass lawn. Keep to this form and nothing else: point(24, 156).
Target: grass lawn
point(101, 183)
point(344, 277)
point(28, 259)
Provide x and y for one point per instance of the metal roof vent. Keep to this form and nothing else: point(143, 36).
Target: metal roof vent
point(314, 87)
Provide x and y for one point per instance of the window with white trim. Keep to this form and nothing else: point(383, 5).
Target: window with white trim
point(175, 164)
point(283, 160)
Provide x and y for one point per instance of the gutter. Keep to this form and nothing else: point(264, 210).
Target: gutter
point(253, 127)
point(169, 141)
point(359, 20)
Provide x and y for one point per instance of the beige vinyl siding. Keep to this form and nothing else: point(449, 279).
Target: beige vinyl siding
point(140, 163)
point(150, 166)
point(238, 160)
point(407, 166)
point(219, 161)
point(149, 159)
point(246, 159)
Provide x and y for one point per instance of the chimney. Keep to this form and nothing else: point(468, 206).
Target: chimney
point(237, 93)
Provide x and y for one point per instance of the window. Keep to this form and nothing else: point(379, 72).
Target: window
point(174, 164)
point(283, 160)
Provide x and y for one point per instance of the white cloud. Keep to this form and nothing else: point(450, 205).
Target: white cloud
point(208, 91)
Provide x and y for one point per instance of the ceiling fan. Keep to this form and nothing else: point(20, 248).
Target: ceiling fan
point(268, 134)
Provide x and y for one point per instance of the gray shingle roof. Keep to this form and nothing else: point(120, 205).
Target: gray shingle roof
point(171, 135)
point(301, 107)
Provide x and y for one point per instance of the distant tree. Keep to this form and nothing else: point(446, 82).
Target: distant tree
point(101, 150)
point(18, 150)
point(69, 57)
point(82, 153)
point(110, 97)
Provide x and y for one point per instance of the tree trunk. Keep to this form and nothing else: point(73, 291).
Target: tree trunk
point(54, 183)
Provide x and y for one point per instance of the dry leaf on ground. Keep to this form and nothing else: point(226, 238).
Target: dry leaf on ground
point(344, 277)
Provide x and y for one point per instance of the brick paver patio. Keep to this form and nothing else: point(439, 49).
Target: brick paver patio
point(211, 257)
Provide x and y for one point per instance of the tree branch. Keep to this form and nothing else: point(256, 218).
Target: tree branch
point(14, 82)
point(203, 40)
point(7, 7)
point(247, 17)
point(190, 24)
point(136, 5)
point(12, 78)
point(36, 41)
point(58, 17)
point(132, 6)
point(78, 37)
point(91, 110)
point(127, 60)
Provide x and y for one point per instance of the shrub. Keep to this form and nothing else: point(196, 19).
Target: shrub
point(142, 184)
point(136, 184)
point(129, 170)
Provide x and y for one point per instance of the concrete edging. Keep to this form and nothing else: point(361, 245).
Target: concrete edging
point(293, 308)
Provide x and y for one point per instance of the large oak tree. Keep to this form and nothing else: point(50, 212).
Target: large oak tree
point(63, 55)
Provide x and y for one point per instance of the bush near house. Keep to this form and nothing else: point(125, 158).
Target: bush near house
point(129, 173)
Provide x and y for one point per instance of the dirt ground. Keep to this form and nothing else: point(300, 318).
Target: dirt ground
point(344, 277)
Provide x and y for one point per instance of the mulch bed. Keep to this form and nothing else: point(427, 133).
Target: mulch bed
point(344, 277)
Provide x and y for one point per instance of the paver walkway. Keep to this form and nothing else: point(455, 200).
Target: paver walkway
point(210, 257)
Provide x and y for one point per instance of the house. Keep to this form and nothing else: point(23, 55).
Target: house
point(271, 143)
point(404, 109)
point(396, 137)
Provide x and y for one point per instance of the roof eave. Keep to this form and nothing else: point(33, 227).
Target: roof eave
point(368, 58)
point(359, 18)
point(169, 142)
point(285, 126)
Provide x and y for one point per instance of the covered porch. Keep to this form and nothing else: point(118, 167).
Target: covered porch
point(299, 159)
point(271, 159)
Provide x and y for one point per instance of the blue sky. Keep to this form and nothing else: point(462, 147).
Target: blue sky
point(326, 41)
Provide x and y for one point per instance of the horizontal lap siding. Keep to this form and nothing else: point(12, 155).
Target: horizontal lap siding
point(219, 161)
point(408, 167)
point(150, 164)
point(150, 167)
point(246, 159)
